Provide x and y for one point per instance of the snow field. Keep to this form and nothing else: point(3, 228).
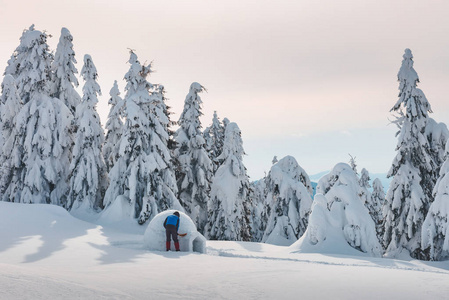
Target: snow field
point(47, 254)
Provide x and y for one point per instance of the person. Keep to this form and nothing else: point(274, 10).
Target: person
point(171, 225)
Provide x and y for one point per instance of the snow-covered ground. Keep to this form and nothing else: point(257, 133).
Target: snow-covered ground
point(45, 253)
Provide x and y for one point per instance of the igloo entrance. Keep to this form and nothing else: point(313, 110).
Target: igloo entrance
point(199, 245)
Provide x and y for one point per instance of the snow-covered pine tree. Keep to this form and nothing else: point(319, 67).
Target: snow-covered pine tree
point(64, 72)
point(260, 209)
point(275, 160)
point(377, 202)
point(12, 69)
point(2, 140)
point(352, 163)
point(364, 193)
point(373, 201)
point(435, 229)
point(140, 180)
point(10, 104)
point(225, 123)
point(410, 192)
point(114, 127)
point(437, 136)
point(41, 152)
point(290, 200)
point(11, 65)
point(229, 207)
point(129, 175)
point(32, 54)
point(168, 124)
point(364, 179)
point(208, 141)
point(88, 176)
point(162, 181)
point(338, 216)
point(195, 170)
point(217, 134)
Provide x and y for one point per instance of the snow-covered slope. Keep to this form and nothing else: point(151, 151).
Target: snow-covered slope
point(45, 253)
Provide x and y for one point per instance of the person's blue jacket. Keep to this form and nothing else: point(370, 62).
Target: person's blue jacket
point(172, 220)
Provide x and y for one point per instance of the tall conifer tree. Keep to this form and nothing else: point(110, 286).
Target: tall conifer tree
point(142, 176)
point(64, 72)
point(410, 192)
point(10, 153)
point(230, 204)
point(217, 140)
point(114, 127)
point(377, 202)
point(88, 176)
point(195, 170)
point(41, 154)
point(435, 230)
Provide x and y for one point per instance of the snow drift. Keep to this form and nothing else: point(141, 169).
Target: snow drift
point(154, 238)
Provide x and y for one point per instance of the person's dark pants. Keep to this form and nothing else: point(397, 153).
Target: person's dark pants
point(170, 231)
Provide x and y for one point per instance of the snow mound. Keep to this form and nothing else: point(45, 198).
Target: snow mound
point(154, 238)
point(34, 232)
point(324, 238)
point(117, 210)
point(339, 222)
point(39, 214)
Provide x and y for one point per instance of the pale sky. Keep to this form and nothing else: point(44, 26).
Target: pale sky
point(311, 79)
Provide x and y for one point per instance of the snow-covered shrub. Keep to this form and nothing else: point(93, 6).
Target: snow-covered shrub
point(339, 221)
point(289, 197)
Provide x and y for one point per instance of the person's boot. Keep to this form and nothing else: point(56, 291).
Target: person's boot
point(167, 245)
point(177, 246)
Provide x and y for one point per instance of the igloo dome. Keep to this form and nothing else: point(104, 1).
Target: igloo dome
point(154, 238)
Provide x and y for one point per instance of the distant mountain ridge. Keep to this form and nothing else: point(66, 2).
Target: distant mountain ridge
point(382, 176)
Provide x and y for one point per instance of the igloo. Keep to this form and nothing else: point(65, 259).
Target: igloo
point(154, 238)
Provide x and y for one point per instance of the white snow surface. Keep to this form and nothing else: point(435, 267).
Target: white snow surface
point(45, 253)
